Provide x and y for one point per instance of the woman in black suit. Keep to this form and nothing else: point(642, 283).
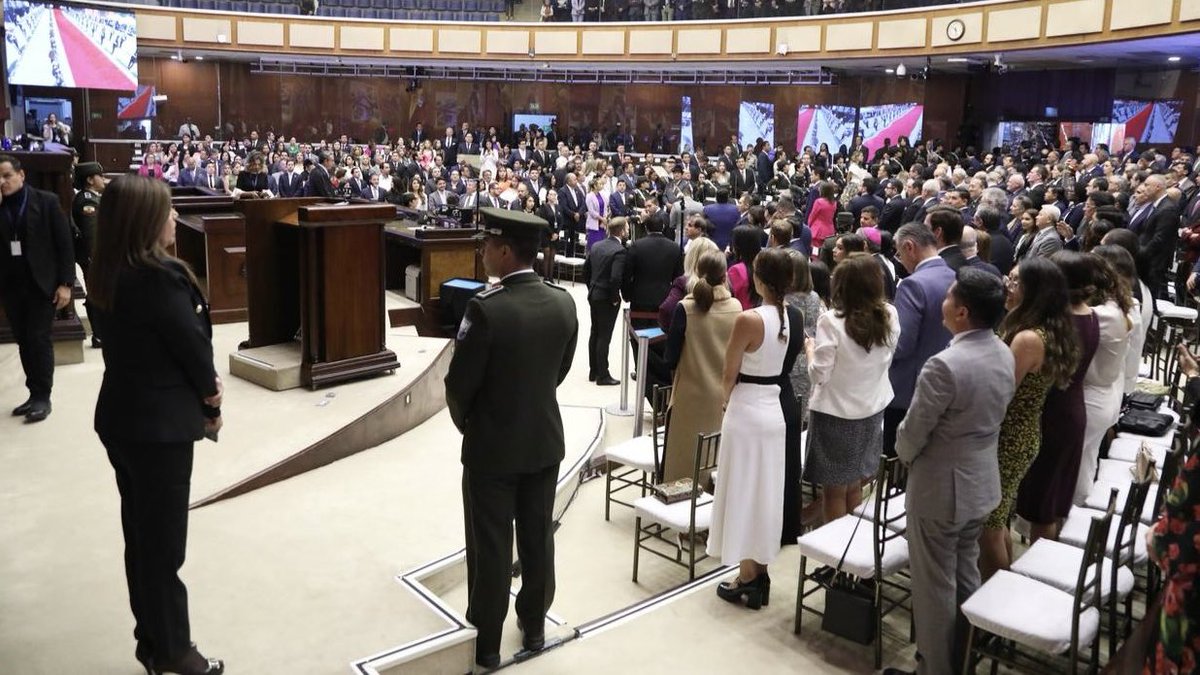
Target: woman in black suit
point(160, 394)
point(254, 177)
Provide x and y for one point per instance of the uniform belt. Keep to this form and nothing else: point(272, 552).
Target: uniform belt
point(760, 379)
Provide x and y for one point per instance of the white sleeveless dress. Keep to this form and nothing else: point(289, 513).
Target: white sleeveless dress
point(748, 504)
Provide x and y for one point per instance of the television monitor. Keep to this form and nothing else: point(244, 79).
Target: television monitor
point(530, 119)
point(686, 139)
point(1148, 121)
point(1069, 130)
point(879, 122)
point(139, 106)
point(58, 45)
point(1036, 134)
point(756, 120)
point(37, 109)
point(832, 125)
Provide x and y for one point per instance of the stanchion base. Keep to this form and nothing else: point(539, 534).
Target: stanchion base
point(616, 409)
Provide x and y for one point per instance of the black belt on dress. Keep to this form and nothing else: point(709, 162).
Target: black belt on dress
point(760, 379)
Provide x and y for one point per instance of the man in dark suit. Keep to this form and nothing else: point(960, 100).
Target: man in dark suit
point(742, 180)
point(724, 217)
point(652, 263)
point(970, 250)
point(926, 201)
point(1157, 236)
point(918, 303)
point(372, 191)
point(573, 202)
point(605, 274)
point(989, 220)
point(288, 184)
point(320, 182)
point(418, 134)
point(865, 197)
point(892, 214)
point(514, 347)
point(618, 202)
point(37, 271)
point(947, 226)
point(468, 145)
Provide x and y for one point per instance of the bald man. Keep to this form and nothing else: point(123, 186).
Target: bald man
point(1157, 236)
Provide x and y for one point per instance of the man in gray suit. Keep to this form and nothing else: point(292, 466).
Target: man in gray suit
point(949, 439)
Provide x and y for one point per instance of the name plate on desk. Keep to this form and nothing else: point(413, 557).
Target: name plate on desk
point(441, 232)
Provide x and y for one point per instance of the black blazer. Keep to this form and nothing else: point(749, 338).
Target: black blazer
point(46, 241)
point(252, 182)
point(604, 270)
point(651, 264)
point(319, 184)
point(1157, 239)
point(158, 359)
point(891, 216)
point(954, 257)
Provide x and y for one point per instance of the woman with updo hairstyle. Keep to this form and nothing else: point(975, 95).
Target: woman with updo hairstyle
point(747, 515)
point(700, 327)
point(747, 242)
point(1104, 384)
point(854, 343)
point(1041, 334)
point(682, 285)
point(1045, 495)
point(1122, 262)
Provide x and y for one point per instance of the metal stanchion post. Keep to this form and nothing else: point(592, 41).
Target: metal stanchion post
point(643, 344)
point(622, 409)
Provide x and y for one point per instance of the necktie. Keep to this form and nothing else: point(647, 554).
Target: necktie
point(211, 183)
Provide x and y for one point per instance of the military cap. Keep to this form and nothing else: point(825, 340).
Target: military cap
point(86, 170)
point(509, 223)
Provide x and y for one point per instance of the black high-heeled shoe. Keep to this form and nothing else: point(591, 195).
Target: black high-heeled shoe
point(192, 663)
point(757, 592)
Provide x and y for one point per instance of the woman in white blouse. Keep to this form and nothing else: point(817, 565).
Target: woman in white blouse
point(848, 363)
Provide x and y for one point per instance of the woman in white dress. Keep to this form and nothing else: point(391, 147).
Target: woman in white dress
point(748, 506)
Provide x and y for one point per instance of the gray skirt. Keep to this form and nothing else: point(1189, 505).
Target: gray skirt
point(842, 451)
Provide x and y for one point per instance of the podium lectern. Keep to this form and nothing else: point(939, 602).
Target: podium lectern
point(318, 268)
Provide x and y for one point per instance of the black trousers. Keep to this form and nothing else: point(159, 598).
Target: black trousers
point(491, 502)
point(154, 480)
point(31, 315)
point(657, 371)
point(571, 232)
point(892, 417)
point(604, 318)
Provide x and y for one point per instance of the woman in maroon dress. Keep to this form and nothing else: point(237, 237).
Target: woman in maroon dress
point(1046, 492)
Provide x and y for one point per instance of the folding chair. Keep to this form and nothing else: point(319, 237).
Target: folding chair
point(687, 519)
point(640, 457)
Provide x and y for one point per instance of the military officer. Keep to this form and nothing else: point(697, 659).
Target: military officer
point(90, 182)
point(514, 347)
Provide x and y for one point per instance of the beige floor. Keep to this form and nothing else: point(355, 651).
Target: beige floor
point(298, 578)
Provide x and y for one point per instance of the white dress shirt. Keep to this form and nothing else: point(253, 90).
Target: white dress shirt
point(848, 381)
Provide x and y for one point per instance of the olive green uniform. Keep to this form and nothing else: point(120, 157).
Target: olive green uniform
point(83, 214)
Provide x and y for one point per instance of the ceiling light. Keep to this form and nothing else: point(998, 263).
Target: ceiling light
point(889, 71)
point(1173, 59)
point(199, 58)
point(957, 59)
point(174, 57)
point(901, 70)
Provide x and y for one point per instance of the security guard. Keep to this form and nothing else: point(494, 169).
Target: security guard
point(90, 182)
point(515, 346)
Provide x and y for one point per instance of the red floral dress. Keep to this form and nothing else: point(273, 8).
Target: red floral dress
point(1176, 543)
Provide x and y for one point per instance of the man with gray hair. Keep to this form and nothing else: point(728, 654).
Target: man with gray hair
point(928, 199)
point(970, 250)
point(989, 219)
point(1158, 234)
point(918, 303)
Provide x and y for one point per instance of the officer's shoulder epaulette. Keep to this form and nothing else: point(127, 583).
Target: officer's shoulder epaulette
point(555, 286)
point(493, 291)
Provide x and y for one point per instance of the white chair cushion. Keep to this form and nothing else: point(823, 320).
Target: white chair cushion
point(1177, 312)
point(1075, 532)
point(1125, 449)
point(827, 543)
point(570, 262)
point(893, 508)
point(1114, 471)
point(1030, 612)
point(636, 452)
point(1057, 564)
point(676, 516)
point(1144, 370)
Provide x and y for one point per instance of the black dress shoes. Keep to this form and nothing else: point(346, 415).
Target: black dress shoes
point(489, 661)
point(23, 409)
point(38, 411)
point(607, 381)
point(897, 671)
point(193, 663)
point(530, 640)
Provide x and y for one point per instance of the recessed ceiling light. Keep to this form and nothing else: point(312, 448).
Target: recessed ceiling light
point(174, 57)
point(889, 71)
point(957, 59)
point(1173, 59)
point(199, 58)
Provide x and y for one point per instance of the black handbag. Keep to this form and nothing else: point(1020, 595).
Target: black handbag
point(1145, 423)
point(849, 605)
point(1142, 400)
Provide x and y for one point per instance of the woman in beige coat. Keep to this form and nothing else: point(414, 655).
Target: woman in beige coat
point(700, 330)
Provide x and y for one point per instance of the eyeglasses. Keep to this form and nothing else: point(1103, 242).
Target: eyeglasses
point(1012, 282)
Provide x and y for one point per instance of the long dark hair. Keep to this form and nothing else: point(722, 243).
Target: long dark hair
point(1110, 285)
point(710, 273)
point(774, 269)
point(1046, 306)
point(858, 298)
point(1080, 274)
point(747, 242)
point(129, 223)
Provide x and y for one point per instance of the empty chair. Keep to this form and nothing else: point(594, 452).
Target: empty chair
point(639, 458)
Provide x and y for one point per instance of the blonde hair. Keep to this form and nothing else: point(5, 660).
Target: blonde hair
point(691, 260)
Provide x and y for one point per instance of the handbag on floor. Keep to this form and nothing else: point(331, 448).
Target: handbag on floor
point(849, 605)
point(1145, 422)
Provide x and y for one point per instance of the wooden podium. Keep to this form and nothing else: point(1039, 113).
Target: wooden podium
point(318, 269)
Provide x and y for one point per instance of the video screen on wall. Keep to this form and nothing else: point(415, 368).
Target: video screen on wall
point(1034, 134)
point(756, 120)
point(1147, 121)
point(530, 119)
point(1079, 130)
point(832, 125)
point(686, 141)
point(57, 45)
point(879, 122)
point(139, 106)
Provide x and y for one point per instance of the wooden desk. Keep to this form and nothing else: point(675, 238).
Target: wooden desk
point(211, 237)
point(443, 254)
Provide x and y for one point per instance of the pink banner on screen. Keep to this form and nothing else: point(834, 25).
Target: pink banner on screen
point(91, 66)
point(877, 123)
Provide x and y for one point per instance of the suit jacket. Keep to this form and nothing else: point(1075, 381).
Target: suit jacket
point(891, 216)
point(953, 256)
point(319, 184)
point(436, 199)
point(950, 434)
point(187, 177)
point(596, 210)
point(724, 218)
point(651, 264)
point(1046, 243)
point(604, 270)
point(464, 149)
point(1002, 251)
point(374, 193)
point(862, 201)
point(158, 359)
point(1157, 240)
point(742, 180)
point(923, 206)
point(573, 203)
point(919, 299)
point(515, 346)
point(618, 204)
point(984, 265)
point(47, 244)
